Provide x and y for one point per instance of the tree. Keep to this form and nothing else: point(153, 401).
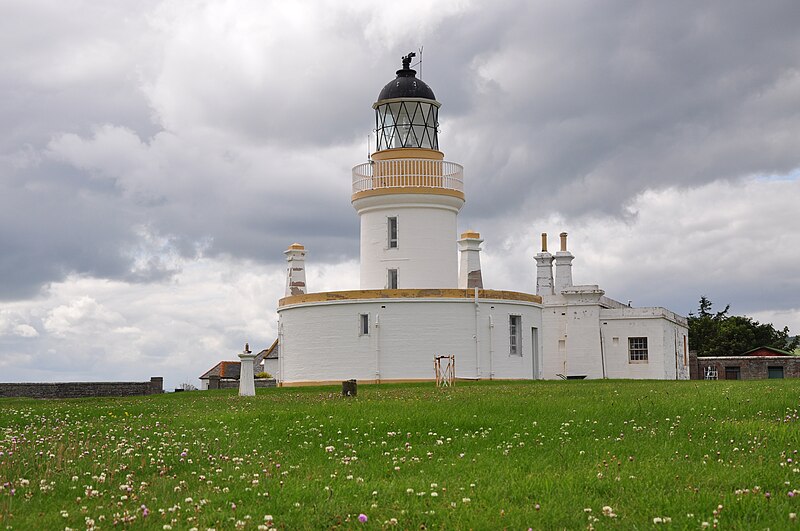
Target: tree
point(719, 334)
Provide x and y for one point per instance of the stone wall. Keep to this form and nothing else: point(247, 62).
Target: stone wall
point(82, 389)
point(234, 384)
point(750, 367)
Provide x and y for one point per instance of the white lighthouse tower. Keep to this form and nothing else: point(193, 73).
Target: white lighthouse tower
point(408, 197)
point(414, 303)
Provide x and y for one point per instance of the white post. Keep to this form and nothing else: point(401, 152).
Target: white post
point(296, 270)
point(469, 275)
point(247, 386)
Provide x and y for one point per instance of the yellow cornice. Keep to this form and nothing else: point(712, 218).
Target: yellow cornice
point(408, 190)
point(408, 153)
point(424, 293)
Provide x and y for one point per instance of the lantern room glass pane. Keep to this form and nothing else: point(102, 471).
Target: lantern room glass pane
point(407, 124)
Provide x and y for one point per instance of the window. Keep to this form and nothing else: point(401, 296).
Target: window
point(775, 372)
point(733, 373)
point(392, 225)
point(637, 349)
point(392, 280)
point(515, 335)
point(363, 324)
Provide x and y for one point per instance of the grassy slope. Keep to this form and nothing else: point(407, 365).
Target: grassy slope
point(490, 451)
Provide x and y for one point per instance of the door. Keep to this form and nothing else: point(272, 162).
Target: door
point(535, 351)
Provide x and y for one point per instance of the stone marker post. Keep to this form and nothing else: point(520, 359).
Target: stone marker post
point(247, 386)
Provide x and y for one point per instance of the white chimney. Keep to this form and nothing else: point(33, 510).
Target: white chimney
point(564, 260)
point(544, 270)
point(469, 273)
point(296, 270)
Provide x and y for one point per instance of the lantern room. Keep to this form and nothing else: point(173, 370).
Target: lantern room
point(406, 113)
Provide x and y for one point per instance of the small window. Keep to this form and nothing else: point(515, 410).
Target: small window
point(515, 335)
point(363, 324)
point(775, 372)
point(392, 279)
point(733, 373)
point(637, 349)
point(392, 226)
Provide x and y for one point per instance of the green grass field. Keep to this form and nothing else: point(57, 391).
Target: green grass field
point(488, 455)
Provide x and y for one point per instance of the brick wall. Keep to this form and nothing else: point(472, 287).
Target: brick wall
point(750, 367)
point(82, 389)
point(234, 384)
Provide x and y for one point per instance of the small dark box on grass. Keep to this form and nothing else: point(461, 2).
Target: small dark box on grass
point(349, 388)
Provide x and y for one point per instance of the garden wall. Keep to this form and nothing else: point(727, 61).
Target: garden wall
point(234, 384)
point(82, 389)
point(749, 367)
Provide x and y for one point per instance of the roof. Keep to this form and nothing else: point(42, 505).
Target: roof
point(270, 353)
point(231, 369)
point(406, 85)
point(774, 352)
point(225, 370)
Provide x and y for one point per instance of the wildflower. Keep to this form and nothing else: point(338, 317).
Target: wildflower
point(362, 518)
point(537, 506)
point(608, 511)
point(792, 516)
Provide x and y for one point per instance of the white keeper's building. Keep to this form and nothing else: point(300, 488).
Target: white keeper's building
point(422, 293)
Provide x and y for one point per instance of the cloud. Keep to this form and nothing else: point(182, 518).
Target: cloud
point(170, 153)
point(673, 246)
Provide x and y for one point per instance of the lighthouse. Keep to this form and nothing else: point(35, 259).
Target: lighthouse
point(416, 300)
point(407, 196)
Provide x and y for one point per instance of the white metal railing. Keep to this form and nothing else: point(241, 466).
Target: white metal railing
point(405, 173)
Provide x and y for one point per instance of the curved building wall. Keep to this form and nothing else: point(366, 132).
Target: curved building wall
point(324, 341)
point(425, 255)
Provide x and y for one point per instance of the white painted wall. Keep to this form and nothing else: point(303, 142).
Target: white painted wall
point(321, 341)
point(426, 255)
point(583, 336)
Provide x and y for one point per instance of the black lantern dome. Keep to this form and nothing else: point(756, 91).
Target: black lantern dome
point(406, 85)
point(407, 113)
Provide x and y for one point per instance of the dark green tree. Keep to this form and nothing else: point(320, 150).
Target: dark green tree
point(719, 334)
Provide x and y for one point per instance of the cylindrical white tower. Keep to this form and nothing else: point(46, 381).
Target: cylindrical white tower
point(408, 197)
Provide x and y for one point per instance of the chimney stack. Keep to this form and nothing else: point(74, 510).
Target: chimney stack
point(469, 274)
point(296, 270)
point(563, 266)
point(544, 270)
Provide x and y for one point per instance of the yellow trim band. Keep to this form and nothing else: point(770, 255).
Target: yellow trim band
point(425, 293)
point(408, 190)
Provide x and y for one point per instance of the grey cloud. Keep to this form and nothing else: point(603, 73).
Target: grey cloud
point(236, 143)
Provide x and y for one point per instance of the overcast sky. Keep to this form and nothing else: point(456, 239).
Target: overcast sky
point(157, 157)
